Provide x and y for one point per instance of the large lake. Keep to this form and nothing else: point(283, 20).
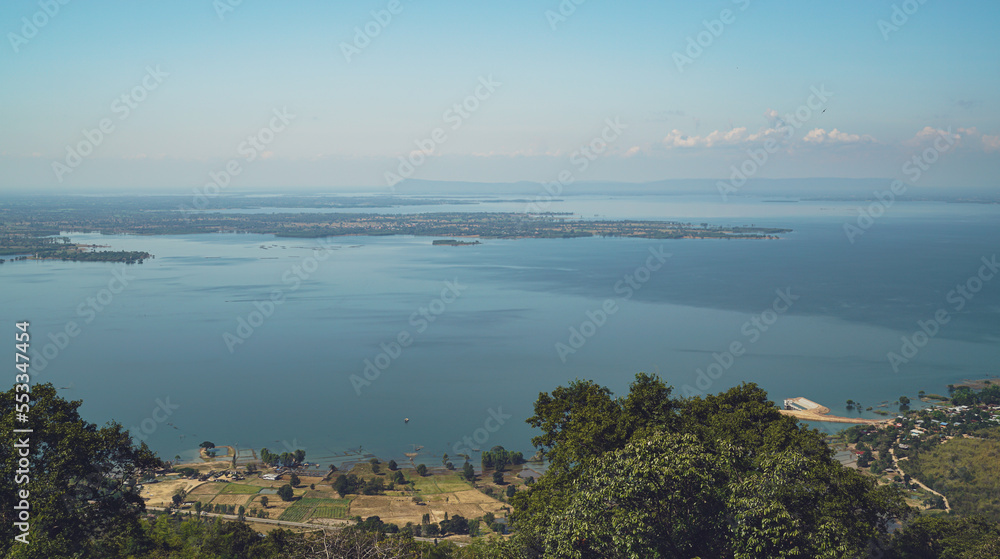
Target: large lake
point(159, 342)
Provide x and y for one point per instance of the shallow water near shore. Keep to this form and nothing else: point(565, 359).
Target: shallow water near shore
point(152, 351)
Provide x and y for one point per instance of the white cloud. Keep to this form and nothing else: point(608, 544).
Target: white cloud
point(990, 143)
point(929, 134)
point(716, 138)
point(821, 136)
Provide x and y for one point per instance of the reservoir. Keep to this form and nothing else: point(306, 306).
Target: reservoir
point(328, 344)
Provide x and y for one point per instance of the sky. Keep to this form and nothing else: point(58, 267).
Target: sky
point(169, 96)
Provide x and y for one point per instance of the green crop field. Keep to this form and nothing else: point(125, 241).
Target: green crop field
point(330, 512)
point(295, 514)
point(304, 509)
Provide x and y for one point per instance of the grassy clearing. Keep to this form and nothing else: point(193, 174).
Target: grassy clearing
point(240, 489)
point(967, 471)
point(435, 484)
point(232, 499)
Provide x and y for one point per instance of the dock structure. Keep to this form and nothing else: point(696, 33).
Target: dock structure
point(804, 404)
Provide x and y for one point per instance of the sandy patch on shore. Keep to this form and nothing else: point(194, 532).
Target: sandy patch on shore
point(816, 415)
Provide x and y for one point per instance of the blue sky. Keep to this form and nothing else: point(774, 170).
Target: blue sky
point(220, 75)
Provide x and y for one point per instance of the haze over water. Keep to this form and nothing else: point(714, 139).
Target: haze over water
point(493, 348)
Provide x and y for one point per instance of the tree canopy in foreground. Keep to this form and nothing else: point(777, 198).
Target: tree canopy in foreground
point(80, 483)
point(649, 475)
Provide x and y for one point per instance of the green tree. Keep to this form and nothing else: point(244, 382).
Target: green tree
point(263, 501)
point(932, 537)
point(498, 478)
point(468, 472)
point(577, 422)
point(455, 525)
point(81, 480)
point(421, 470)
point(286, 493)
point(294, 480)
point(865, 460)
point(697, 477)
point(670, 504)
point(392, 465)
point(373, 486)
point(349, 483)
point(207, 445)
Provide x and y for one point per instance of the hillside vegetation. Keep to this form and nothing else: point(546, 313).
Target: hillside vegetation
point(966, 470)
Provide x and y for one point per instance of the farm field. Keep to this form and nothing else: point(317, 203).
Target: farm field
point(315, 501)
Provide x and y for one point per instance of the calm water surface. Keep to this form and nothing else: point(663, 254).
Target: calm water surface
point(159, 342)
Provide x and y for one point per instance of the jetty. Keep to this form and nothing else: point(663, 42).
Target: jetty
point(806, 409)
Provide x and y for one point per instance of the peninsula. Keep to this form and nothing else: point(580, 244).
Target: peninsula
point(32, 228)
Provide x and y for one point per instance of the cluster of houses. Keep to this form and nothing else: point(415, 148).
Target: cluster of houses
point(954, 420)
point(947, 422)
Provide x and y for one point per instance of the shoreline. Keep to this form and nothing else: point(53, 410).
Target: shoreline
point(817, 412)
